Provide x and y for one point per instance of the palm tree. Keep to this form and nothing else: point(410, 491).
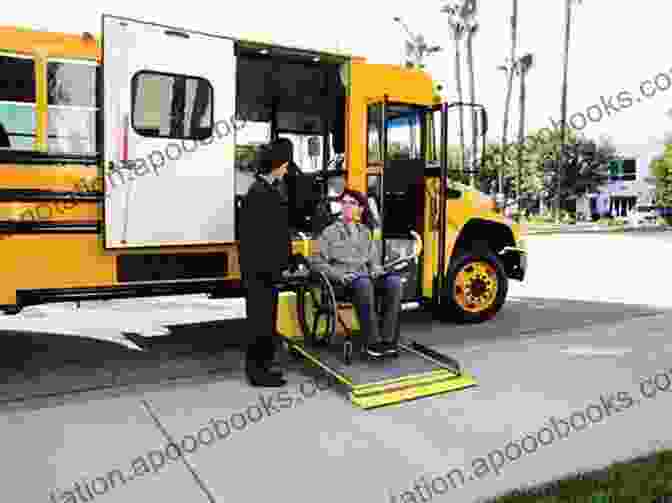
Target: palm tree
point(457, 29)
point(416, 48)
point(508, 68)
point(523, 65)
point(563, 106)
point(468, 14)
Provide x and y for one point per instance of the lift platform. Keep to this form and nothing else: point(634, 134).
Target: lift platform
point(416, 372)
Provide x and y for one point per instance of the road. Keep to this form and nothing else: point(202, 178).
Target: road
point(590, 321)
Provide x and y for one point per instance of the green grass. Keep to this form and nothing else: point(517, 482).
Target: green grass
point(640, 480)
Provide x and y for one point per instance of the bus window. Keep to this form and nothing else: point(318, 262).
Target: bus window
point(17, 102)
point(403, 140)
point(172, 106)
point(72, 107)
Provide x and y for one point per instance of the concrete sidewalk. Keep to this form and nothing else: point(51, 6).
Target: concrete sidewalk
point(307, 445)
point(592, 228)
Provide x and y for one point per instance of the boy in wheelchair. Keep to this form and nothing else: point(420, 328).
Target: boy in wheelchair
point(349, 258)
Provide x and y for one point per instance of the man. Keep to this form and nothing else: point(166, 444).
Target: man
point(349, 257)
point(265, 251)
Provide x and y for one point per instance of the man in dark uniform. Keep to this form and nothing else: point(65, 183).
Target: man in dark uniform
point(265, 252)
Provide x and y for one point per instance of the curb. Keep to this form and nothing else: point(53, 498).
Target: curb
point(598, 231)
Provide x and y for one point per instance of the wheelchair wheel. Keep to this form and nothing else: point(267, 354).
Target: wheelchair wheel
point(316, 305)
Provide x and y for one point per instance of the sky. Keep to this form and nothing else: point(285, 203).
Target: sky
point(615, 46)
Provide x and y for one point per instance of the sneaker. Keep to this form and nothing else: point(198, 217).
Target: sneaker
point(390, 348)
point(375, 350)
point(265, 379)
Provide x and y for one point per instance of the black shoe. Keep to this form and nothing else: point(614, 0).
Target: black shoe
point(265, 379)
point(375, 350)
point(272, 370)
point(390, 348)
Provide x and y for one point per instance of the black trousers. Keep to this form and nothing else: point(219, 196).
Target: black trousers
point(262, 315)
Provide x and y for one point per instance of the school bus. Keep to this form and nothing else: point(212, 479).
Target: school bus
point(123, 159)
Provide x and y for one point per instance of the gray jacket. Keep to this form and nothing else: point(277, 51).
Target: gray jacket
point(341, 252)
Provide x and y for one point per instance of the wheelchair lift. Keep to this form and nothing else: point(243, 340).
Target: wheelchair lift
point(416, 372)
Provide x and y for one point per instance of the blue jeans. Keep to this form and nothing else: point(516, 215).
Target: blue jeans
point(387, 290)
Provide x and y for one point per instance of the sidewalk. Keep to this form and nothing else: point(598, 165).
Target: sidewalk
point(532, 229)
point(319, 448)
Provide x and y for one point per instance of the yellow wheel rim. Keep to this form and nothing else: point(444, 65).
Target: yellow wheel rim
point(476, 287)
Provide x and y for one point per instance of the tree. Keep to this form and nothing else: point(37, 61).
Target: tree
point(457, 30)
point(416, 49)
point(523, 65)
point(662, 171)
point(508, 68)
point(586, 163)
point(468, 14)
point(563, 106)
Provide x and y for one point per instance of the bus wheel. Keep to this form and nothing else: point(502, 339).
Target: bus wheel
point(476, 287)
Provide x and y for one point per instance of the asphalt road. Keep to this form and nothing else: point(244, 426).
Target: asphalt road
point(590, 320)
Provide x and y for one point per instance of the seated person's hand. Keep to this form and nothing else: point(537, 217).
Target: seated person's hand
point(377, 270)
point(297, 260)
point(349, 277)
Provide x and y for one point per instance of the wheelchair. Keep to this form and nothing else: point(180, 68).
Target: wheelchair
point(319, 300)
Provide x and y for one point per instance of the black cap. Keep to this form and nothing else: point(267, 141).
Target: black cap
point(275, 154)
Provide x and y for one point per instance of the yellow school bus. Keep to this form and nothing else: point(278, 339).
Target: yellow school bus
point(121, 167)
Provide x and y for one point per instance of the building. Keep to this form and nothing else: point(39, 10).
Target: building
point(630, 185)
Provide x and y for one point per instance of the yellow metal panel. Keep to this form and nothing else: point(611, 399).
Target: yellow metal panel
point(61, 178)
point(57, 45)
point(83, 211)
point(288, 321)
point(413, 392)
point(52, 261)
point(390, 385)
point(372, 82)
point(41, 99)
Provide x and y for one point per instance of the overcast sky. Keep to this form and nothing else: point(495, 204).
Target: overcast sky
point(615, 46)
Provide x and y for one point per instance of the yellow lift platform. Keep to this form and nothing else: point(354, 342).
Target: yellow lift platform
point(416, 372)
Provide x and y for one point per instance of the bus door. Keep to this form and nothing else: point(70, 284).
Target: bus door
point(169, 98)
point(395, 172)
point(456, 144)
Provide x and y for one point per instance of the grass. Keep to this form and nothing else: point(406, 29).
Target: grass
point(640, 480)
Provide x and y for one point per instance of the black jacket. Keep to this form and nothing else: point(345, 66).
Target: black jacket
point(265, 242)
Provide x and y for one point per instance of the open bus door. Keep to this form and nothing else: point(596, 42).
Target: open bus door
point(461, 148)
point(169, 103)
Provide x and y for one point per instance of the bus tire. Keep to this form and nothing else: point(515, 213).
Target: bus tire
point(476, 287)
